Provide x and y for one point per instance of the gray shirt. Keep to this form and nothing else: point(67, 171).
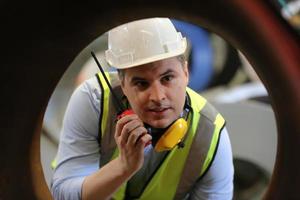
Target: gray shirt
point(78, 153)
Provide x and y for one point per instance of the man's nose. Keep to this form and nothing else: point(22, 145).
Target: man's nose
point(157, 93)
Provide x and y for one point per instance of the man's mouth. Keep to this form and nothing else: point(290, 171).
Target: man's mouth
point(158, 110)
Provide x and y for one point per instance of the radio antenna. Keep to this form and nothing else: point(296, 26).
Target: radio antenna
point(115, 98)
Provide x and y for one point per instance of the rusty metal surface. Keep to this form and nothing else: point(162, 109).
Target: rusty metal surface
point(40, 40)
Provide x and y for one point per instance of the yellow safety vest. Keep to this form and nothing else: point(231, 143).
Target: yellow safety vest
point(182, 166)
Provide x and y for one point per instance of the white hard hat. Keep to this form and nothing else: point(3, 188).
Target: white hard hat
point(143, 41)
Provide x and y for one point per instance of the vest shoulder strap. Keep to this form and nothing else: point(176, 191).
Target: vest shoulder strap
point(204, 146)
point(106, 120)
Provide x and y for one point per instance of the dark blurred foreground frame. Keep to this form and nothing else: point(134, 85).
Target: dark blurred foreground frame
point(40, 40)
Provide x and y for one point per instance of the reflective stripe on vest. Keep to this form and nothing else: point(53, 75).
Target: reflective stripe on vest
point(203, 148)
point(106, 124)
point(182, 167)
point(104, 101)
point(104, 104)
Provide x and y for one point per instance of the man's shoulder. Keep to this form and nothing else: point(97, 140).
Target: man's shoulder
point(112, 76)
point(92, 84)
point(203, 106)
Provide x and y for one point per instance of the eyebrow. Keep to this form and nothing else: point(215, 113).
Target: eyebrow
point(137, 78)
point(167, 72)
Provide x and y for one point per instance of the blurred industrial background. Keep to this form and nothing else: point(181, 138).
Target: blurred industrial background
point(218, 72)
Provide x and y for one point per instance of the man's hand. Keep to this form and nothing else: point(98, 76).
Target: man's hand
point(131, 137)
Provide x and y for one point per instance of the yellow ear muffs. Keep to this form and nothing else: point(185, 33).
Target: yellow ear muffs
point(172, 136)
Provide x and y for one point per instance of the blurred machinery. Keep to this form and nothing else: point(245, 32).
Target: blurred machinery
point(290, 11)
point(40, 40)
point(221, 74)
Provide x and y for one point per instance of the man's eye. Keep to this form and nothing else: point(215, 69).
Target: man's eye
point(167, 78)
point(141, 84)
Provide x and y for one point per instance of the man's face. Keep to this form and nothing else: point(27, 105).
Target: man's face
point(156, 91)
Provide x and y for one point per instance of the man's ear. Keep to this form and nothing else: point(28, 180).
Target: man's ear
point(122, 84)
point(121, 79)
point(122, 87)
point(186, 71)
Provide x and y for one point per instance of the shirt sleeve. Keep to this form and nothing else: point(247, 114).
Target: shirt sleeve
point(78, 152)
point(217, 183)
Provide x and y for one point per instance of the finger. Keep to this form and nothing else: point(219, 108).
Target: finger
point(122, 122)
point(146, 138)
point(128, 128)
point(135, 135)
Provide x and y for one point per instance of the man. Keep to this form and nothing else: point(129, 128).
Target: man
point(153, 79)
